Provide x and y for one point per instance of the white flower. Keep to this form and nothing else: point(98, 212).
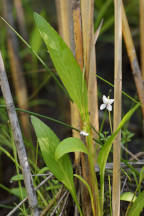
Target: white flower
point(106, 103)
point(83, 133)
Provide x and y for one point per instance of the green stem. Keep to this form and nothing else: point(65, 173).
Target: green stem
point(74, 196)
point(43, 116)
point(103, 121)
point(124, 93)
point(110, 122)
point(93, 176)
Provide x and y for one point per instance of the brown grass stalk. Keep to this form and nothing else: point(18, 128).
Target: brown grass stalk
point(21, 18)
point(77, 30)
point(141, 9)
point(92, 89)
point(87, 11)
point(89, 56)
point(16, 68)
point(65, 22)
point(133, 58)
point(18, 140)
point(117, 107)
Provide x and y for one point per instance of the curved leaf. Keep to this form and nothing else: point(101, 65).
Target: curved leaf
point(68, 145)
point(137, 206)
point(65, 64)
point(128, 196)
point(48, 141)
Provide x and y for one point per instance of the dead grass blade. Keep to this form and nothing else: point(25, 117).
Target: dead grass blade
point(117, 107)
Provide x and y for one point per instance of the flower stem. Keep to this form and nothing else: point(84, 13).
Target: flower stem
point(110, 122)
point(103, 121)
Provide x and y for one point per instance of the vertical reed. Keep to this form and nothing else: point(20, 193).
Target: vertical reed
point(65, 22)
point(21, 18)
point(78, 40)
point(133, 58)
point(87, 11)
point(141, 12)
point(117, 106)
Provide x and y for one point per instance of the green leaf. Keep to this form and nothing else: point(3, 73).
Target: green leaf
point(102, 12)
point(68, 145)
point(62, 168)
point(17, 192)
point(137, 206)
point(141, 175)
point(48, 141)
point(36, 40)
point(104, 152)
point(65, 64)
point(128, 196)
point(17, 178)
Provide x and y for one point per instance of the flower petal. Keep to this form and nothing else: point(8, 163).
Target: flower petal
point(83, 133)
point(105, 99)
point(103, 106)
point(110, 101)
point(109, 107)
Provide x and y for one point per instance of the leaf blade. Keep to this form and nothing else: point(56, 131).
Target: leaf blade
point(68, 145)
point(65, 64)
point(48, 142)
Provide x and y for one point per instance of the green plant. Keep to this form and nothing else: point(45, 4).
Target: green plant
point(54, 151)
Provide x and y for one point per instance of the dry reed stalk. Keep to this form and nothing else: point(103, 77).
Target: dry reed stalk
point(89, 56)
point(141, 8)
point(77, 31)
point(21, 18)
point(92, 90)
point(16, 68)
point(65, 21)
point(133, 58)
point(64, 11)
point(87, 11)
point(18, 140)
point(86, 205)
point(117, 107)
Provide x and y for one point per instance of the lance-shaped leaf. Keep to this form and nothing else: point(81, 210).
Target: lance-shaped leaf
point(68, 145)
point(62, 168)
point(48, 142)
point(66, 66)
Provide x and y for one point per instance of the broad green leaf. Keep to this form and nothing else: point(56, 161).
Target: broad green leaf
point(137, 206)
point(17, 192)
point(48, 141)
point(128, 196)
point(68, 145)
point(62, 169)
point(67, 68)
point(104, 152)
